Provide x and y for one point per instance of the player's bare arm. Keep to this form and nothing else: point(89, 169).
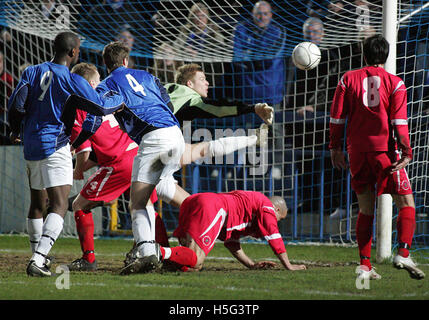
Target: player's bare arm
point(284, 259)
point(81, 162)
point(235, 248)
point(237, 251)
point(401, 164)
point(338, 159)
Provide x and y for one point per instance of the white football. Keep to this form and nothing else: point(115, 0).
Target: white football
point(306, 55)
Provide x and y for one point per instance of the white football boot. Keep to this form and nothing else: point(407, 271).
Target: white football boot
point(408, 264)
point(364, 274)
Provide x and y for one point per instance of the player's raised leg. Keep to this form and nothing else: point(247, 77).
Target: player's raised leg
point(223, 146)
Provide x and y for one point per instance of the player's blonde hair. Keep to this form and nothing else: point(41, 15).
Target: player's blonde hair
point(86, 70)
point(187, 72)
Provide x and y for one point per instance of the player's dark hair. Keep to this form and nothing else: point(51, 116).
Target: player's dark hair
point(64, 42)
point(375, 50)
point(187, 72)
point(114, 54)
point(85, 70)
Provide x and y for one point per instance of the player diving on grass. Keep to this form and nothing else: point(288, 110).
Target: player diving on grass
point(37, 104)
point(374, 103)
point(207, 217)
point(114, 152)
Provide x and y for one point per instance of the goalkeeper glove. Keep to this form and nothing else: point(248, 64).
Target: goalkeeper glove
point(265, 112)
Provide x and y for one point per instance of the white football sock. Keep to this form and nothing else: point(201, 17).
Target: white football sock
point(34, 229)
point(142, 231)
point(51, 230)
point(224, 146)
point(151, 213)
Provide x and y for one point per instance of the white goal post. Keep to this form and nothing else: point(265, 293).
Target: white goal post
point(384, 205)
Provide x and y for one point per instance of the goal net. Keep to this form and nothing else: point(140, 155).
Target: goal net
point(240, 63)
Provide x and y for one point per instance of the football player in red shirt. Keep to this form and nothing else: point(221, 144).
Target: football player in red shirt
point(374, 103)
point(206, 217)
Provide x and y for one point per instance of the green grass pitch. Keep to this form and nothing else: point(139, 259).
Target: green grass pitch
point(330, 275)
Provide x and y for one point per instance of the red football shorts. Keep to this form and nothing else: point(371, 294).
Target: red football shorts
point(109, 182)
point(202, 216)
point(372, 168)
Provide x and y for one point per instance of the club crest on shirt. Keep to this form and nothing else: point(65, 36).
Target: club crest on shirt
point(93, 185)
point(207, 240)
point(405, 185)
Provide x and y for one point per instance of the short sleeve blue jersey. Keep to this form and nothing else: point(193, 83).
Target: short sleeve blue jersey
point(145, 98)
point(41, 95)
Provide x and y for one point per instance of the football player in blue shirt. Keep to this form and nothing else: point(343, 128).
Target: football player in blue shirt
point(37, 104)
point(149, 120)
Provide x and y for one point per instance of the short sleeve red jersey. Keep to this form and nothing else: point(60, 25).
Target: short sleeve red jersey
point(374, 103)
point(109, 142)
point(252, 214)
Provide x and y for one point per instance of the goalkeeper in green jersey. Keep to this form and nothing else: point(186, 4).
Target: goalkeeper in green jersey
point(189, 97)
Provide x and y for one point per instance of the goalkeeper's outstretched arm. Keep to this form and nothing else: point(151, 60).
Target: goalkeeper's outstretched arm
point(209, 109)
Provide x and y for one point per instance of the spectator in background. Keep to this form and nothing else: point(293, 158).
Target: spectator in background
point(313, 30)
point(309, 83)
point(336, 16)
point(126, 37)
point(260, 69)
point(165, 63)
point(6, 83)
point(160, 29)
point(200, 36)
point(49, 9)
point(104, 20)
point(336, 6)
point(314, 10)
point(6, 87)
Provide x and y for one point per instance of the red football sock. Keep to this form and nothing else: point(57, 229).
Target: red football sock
point(161, 236)
point(85, 230)
point(182, 256)
point(405, 225)
point(364, 226)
